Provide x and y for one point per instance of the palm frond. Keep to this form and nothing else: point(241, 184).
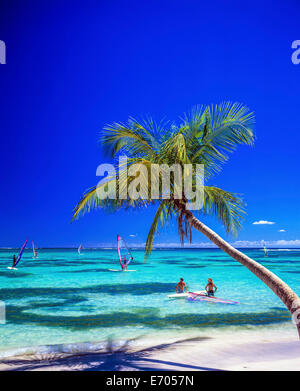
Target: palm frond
point(88, 201)
point(215, 131)
point(227, 207)
point(162, 215)
point(91, 200)
point(134, 138)
point(230, 124)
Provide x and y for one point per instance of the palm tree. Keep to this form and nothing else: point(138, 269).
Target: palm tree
point(205, 136)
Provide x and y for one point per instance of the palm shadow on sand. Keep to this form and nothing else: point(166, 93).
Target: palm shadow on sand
point(111, 358)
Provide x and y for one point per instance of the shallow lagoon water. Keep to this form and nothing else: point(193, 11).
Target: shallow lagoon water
point(66, 298)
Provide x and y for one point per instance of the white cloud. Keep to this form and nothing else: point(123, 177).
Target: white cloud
point(262, 222)
point(237, 244)
point(186, 245)
point(282, 230)
point(133, 236)
point(288, 242)
point(270, 243)
point(283, 244)
point(247, 243)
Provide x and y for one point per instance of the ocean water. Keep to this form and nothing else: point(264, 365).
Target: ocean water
point(65, 299)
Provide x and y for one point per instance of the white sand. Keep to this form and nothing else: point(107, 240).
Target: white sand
point(250, 350)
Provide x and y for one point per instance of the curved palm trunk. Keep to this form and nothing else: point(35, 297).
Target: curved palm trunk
point(280, 288)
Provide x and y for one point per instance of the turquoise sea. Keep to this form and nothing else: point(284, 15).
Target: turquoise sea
point(66, 298)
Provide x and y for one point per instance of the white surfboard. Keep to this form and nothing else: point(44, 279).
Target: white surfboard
point(119, 270)
point(12, 268)
point(183, 295)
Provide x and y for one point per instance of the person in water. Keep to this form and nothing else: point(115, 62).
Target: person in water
point(14, 260)
point(181, 286)
point(210, 288)
point(125, 263)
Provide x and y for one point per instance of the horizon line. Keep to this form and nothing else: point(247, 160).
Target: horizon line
point(142, 248)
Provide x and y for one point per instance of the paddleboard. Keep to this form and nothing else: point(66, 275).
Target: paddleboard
point(195, 296)
point(182, 295)
point(12, 268)
point(119, 270)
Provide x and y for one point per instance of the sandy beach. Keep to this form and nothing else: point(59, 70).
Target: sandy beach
point(234, 352)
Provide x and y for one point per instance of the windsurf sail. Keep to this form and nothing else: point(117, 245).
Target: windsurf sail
point(123, 252)
point(79, 249)
point(265, 248)
point(203, 297)
point(20, 253)
point(33, 249)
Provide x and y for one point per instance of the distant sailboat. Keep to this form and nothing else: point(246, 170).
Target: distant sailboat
point(19, 256)
point(79, 249)
point(265, 249)
point(34, 251)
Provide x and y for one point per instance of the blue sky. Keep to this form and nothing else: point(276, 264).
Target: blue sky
point(73, 67)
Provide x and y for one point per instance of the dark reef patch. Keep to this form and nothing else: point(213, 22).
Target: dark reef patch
point(14, 274)
point(132, 289)
point(193, 266)
point(148, 317)
point(99, 270)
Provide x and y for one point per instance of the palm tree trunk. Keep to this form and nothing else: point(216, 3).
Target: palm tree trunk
point(280, 288)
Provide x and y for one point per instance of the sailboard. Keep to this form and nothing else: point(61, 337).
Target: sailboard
point(183, 295)
point(212, 299)
point(19, 256)
point(125, 256)
point(79, 249)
